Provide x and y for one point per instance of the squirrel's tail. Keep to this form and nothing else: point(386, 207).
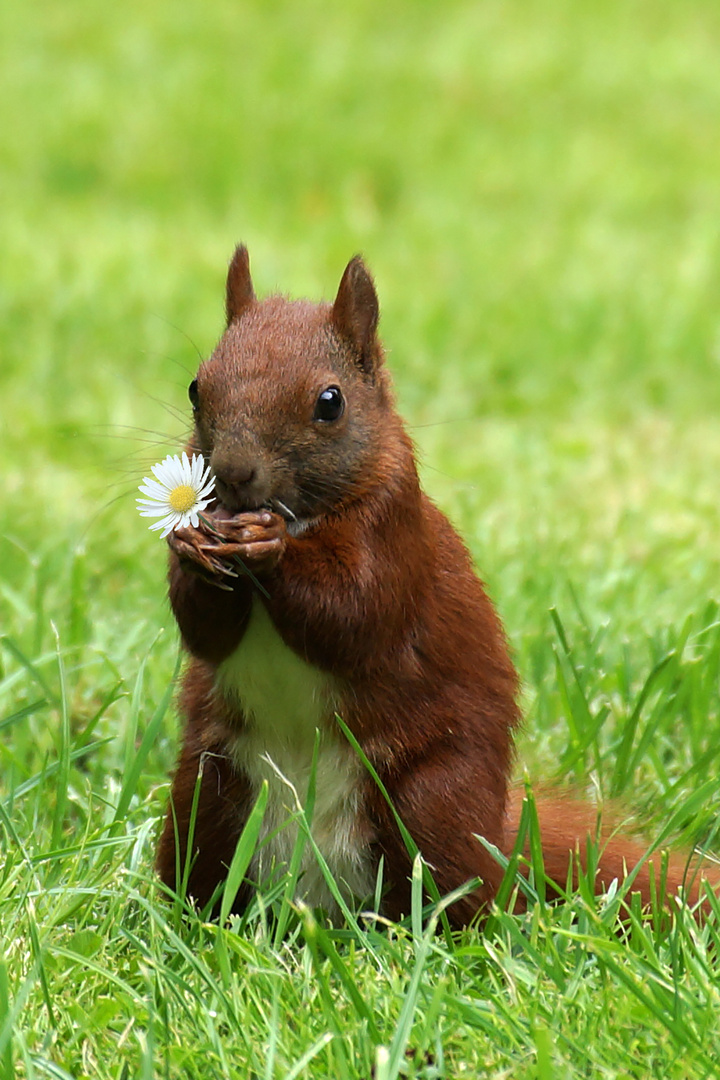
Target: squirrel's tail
point(573, 831)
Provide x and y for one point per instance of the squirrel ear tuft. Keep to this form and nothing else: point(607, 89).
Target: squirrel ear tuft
point(239, 292)
point(355, 313)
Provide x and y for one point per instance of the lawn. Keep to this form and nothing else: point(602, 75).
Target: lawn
point(536, 187)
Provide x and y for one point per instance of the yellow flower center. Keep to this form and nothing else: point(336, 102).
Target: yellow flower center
point(182, 498)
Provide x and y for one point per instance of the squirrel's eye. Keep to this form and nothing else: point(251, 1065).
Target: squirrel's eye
point(330, 405)
point(193, 394)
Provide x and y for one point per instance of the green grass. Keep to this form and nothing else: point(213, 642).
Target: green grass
point(534, 186)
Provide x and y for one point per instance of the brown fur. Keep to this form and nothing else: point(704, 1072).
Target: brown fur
point(378, 590)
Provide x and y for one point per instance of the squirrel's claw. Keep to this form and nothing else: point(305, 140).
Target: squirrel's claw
point(201, 559)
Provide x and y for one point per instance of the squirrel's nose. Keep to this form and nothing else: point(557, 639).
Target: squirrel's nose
point(236, 475)
point(240, 484)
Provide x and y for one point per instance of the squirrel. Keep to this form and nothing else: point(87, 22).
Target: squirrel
point(361, 601)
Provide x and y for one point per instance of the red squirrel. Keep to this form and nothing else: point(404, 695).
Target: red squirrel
point(363, 602)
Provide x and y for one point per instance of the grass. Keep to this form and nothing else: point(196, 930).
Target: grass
point(533, 186)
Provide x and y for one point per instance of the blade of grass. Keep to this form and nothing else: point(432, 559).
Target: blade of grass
point(410, 845)
point(321, 941)
point(131, 778)
point(63, 773)
point(244, 851)
point(424, 946)
point(625, 761)
point(27, 710)
point(320, 858)
point(310, 1053)
point(31, 668)
point(53, 768)
point(6, 1021)
point(291, 887)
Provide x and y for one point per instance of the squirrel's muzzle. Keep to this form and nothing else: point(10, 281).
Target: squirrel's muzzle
point(242, 482)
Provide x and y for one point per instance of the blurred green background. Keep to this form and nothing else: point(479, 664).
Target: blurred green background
point(535, 186)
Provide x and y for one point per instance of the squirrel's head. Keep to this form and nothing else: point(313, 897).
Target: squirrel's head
point(293, 409)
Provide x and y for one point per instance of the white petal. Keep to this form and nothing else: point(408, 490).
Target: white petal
point(170, 521)
point(160, 472)
point(151, 482)
point(176, 473)
point(153, 502)
point(153, 485)
point(155, 492)
point(198, 467)
point(177, 470)
point(153, 511)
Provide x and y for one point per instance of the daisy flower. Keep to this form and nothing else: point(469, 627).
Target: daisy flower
point(180, 491)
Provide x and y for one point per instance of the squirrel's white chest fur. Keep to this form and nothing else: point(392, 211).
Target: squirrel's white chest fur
point(284, 700)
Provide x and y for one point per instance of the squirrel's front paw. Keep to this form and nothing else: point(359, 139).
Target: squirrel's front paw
point(200, 557)
point(258, 538)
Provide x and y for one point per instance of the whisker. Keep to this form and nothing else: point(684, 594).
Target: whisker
point(107, 505)
point(106, 431)
point(138, 467)
point(174, 410)
point(325, 499)
point(184, 334)
point(283, 507)
point(143, 443)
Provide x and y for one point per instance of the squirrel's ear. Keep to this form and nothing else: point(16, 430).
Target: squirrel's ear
point(355, 313)
point(239, 292)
